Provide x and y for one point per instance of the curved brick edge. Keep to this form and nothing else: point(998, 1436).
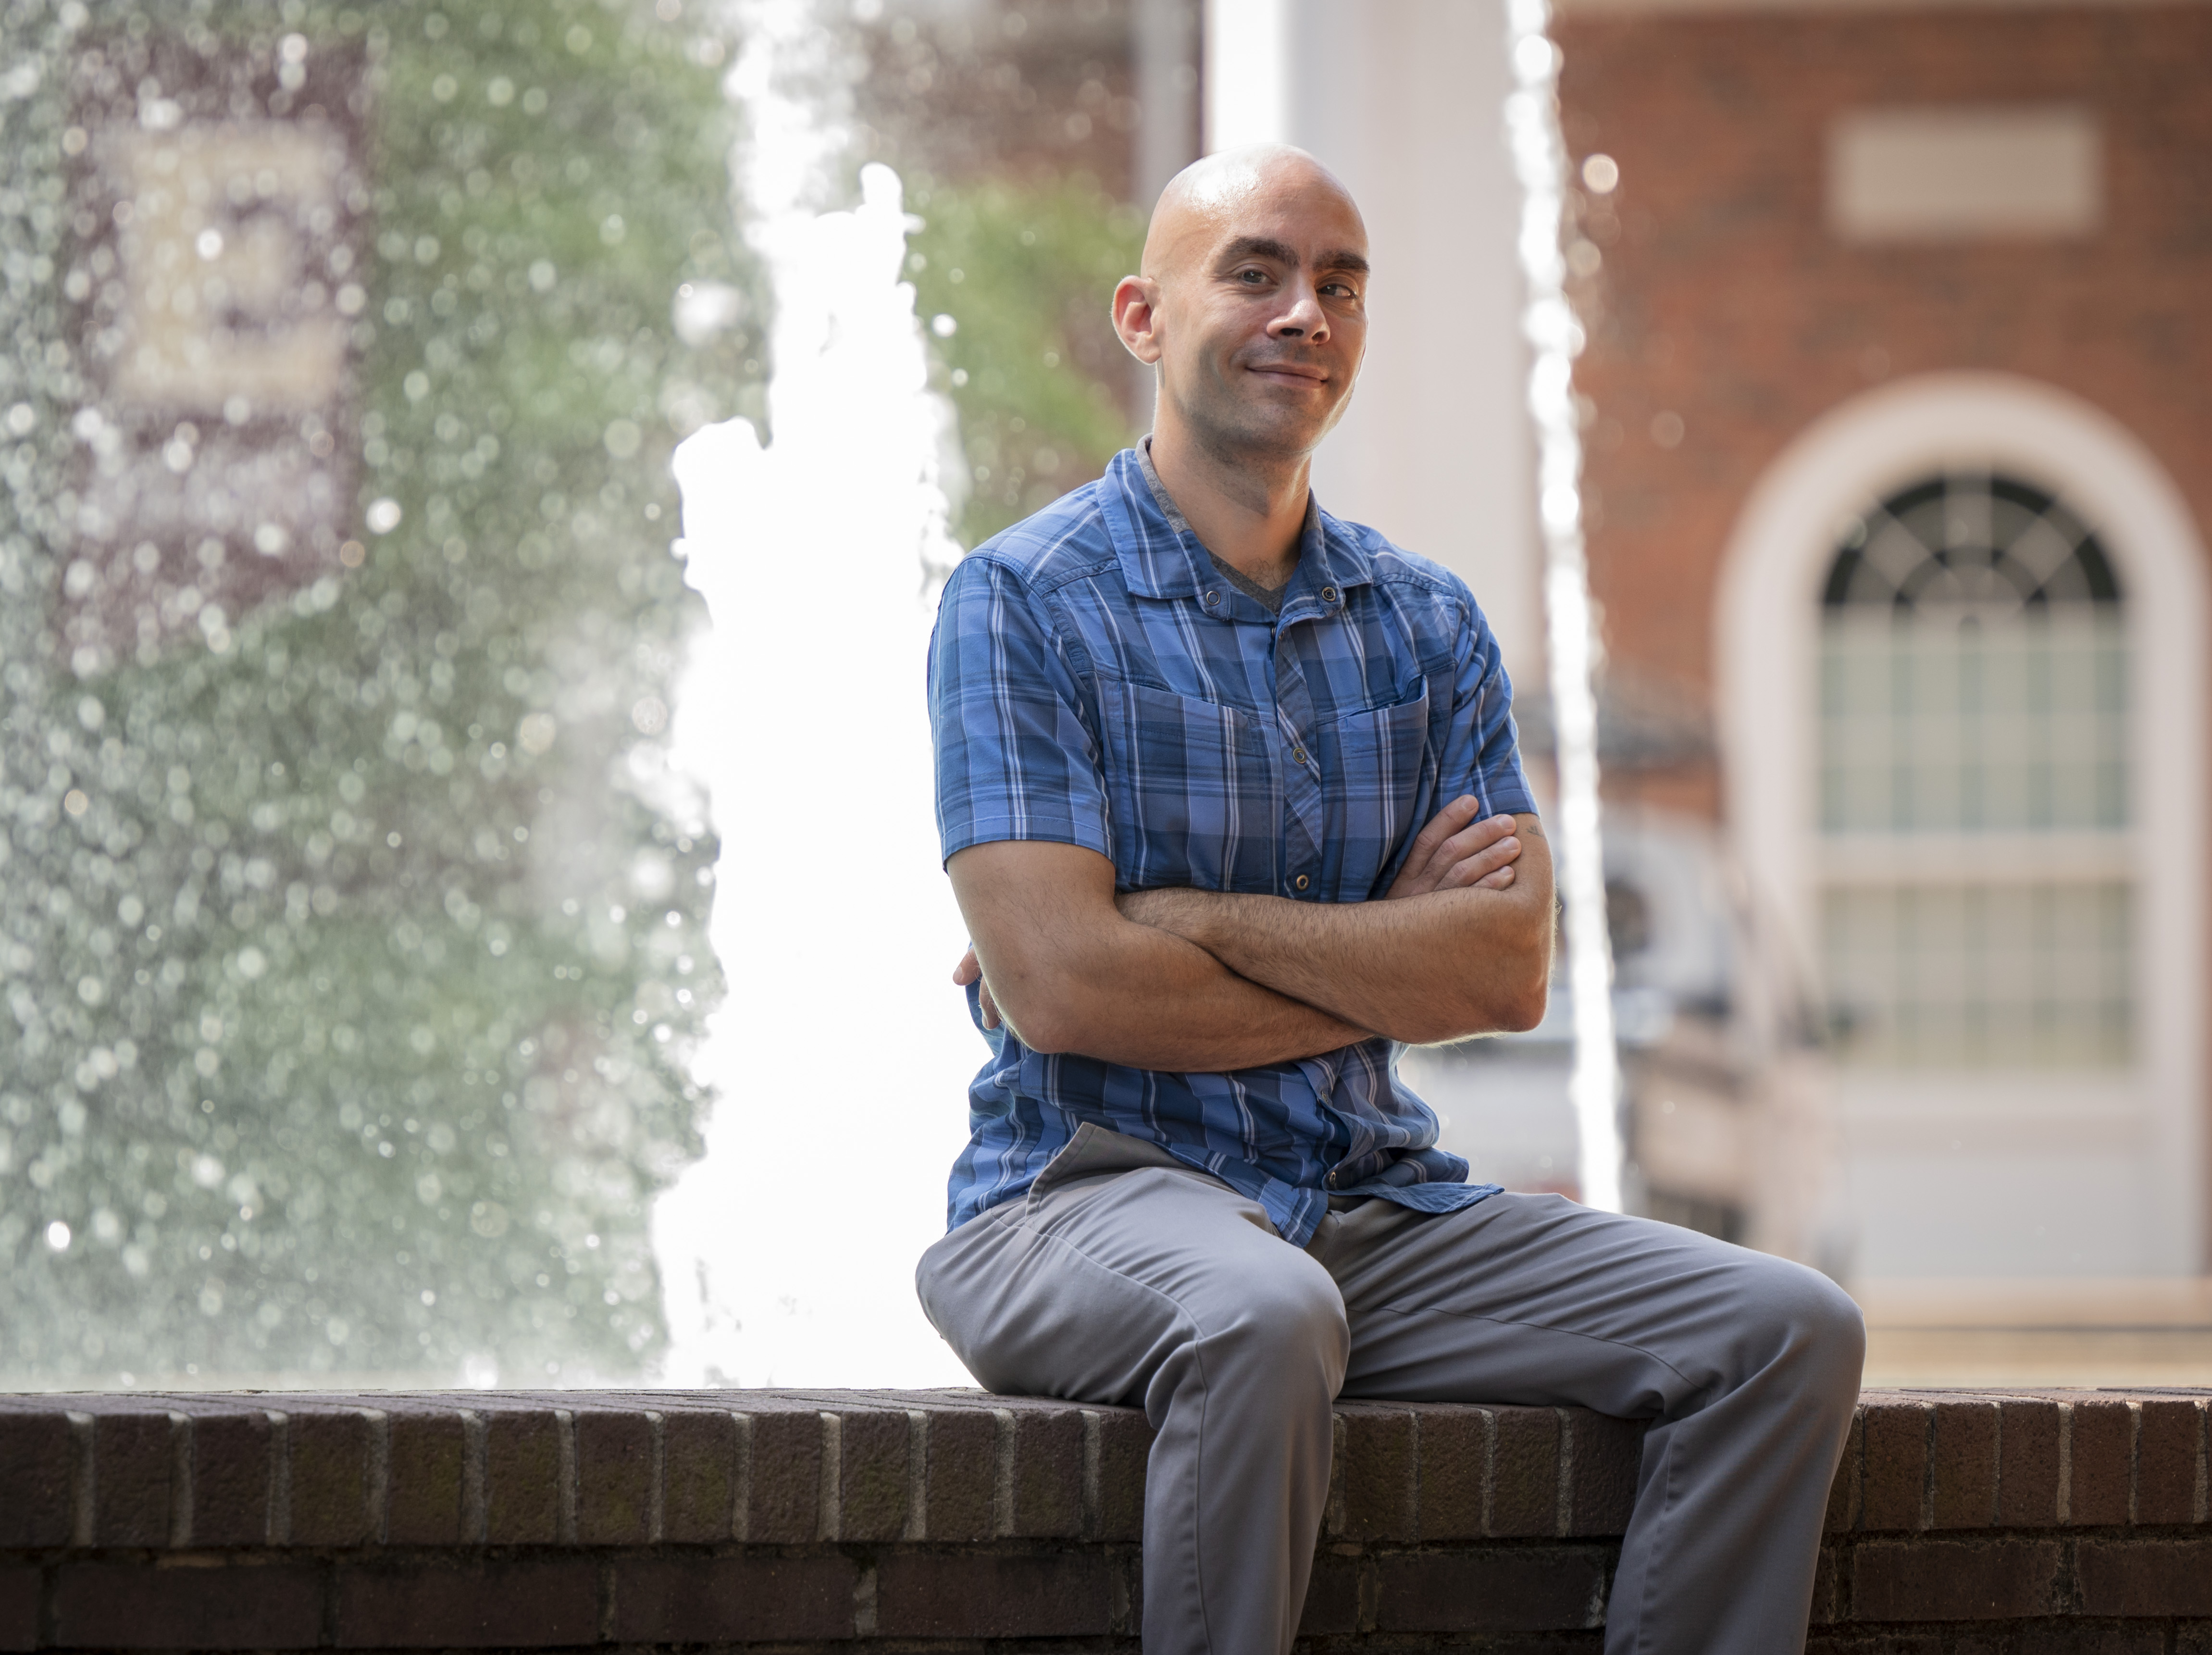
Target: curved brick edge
point(578, 1519)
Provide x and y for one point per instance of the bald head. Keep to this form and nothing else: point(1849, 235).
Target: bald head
point(1218, 191)
point(1252, 304)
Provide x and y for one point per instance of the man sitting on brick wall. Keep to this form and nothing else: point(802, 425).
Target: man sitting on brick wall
point(1187, 724)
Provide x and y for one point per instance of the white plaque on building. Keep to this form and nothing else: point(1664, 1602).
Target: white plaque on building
point(1964, 173)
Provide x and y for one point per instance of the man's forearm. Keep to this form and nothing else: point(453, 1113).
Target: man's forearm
point(1434, 967)
point(1143, 996)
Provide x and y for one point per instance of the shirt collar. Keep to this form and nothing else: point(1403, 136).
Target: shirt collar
point(1161, 558)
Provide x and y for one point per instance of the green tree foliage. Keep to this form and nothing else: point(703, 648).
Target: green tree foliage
point(352, 958)
point(1043, 387)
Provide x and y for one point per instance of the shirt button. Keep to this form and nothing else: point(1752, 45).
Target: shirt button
point(1212, 598)
point(1329, 595)
point(1298, 755)
point(1300, 882)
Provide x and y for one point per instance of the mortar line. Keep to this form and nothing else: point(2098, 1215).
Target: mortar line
point(83, 1475)
point(828, 1510)
point(279, 1526)
point(377, 1493)
point(1564, 1493)
point(2065, 1463)
point(1002, 1481)
point(656, 1489)
point(1094, 1500)
point(564, 1438)
point(180, 1479)
point(917, 1475)
point(741, 1479)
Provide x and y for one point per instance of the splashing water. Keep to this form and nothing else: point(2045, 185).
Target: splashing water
point(841, 1055)
point(1532, 123)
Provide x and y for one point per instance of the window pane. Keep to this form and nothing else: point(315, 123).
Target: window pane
point(2012, 976)
point(2010, 725)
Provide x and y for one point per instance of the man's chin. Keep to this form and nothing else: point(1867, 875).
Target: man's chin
point(1276, 432)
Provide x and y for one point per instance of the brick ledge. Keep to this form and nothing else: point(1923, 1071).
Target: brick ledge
point(658, 1518)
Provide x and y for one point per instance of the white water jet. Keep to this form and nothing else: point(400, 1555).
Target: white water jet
point(1539, 160)
point(840, 1056)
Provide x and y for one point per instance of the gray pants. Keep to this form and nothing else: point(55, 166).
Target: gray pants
point(1124, 1277)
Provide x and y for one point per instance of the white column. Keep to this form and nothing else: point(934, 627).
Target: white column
point(1404, 99)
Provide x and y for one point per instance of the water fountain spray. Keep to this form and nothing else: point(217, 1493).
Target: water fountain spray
point(1540, 160)
point(786, 1252)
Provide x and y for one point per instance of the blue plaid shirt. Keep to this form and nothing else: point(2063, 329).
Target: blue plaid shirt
point(1094, 681)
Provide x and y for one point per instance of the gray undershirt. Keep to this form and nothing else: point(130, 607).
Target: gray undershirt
point(1269, 597)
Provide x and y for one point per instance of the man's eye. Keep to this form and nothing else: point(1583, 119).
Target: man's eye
point(1251, 277)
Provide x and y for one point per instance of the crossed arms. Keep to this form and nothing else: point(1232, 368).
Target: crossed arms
point(1200, 980)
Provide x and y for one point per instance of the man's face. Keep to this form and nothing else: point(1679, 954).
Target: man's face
point(1262, 317)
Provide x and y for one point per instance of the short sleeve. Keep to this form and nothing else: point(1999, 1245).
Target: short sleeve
point(1015, 758)
point(1482, 755)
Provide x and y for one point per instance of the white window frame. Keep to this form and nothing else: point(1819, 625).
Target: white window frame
point(1768, 634)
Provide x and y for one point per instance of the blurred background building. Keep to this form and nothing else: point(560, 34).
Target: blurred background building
point(352, 925)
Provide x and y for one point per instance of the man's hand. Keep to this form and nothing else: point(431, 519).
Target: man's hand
point(1455, 850)
point(966, 972)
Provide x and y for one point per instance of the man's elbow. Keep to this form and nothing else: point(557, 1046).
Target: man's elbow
point(1045, 1020)
point(1496, 1010)
point(1510, 999)
point(1526, 988)
point(1045, 1034)
point(1524, 1007)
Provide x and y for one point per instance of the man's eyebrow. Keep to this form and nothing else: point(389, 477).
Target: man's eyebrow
point(1259, 246)
point(1266, 246)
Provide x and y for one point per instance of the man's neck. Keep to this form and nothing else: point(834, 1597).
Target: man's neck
point(1250, 515)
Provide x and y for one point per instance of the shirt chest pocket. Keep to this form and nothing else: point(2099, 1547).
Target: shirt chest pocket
point(1191, 790)
point(1381, 771)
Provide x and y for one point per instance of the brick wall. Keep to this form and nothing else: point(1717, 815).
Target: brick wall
point(1723, 299)
point(942, 1519)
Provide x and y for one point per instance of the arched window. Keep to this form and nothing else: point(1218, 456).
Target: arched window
point(1976, 896)
point(1963, 700)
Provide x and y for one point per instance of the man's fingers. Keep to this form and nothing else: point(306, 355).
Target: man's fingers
point(1429, 842)
point(1441, 826)
point(1483, 868)
point(1451, 836)
point(1472, 841)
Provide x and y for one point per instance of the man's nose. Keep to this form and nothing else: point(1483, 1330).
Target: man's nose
point(1304, 318)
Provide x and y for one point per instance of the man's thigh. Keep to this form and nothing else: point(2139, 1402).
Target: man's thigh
point(1084, 1289)
point(1534, 1299)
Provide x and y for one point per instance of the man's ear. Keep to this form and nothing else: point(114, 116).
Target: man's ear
point(1136, 317)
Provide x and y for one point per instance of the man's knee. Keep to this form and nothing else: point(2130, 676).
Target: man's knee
point(1285, 1331)
point(1810, 1325)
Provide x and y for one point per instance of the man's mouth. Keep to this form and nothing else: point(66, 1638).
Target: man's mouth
point(1290, 371)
